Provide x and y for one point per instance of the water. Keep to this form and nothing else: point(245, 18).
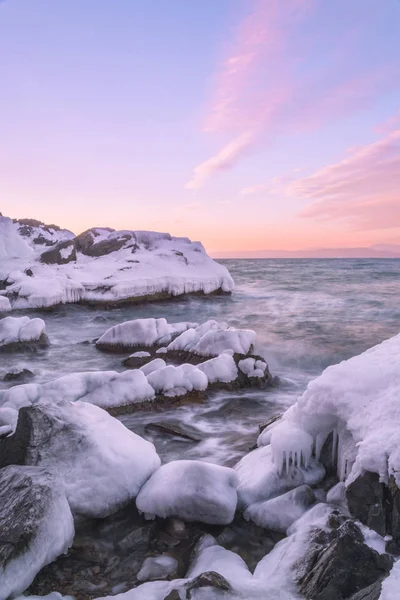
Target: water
point(308, 314)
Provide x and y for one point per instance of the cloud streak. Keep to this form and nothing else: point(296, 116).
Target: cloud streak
point(271, 83)
point(362, 191)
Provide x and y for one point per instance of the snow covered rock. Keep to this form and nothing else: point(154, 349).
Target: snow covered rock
point(36, 525)
point(22, 333)
point(102, 464)
point(261, 479)
point(192, 491)
point(280, 512)
point(177, 381)
point(221, 369)
point(5, 305)
point(137, 360)
point(101, 266)
point(141, 333)
point(158, 567)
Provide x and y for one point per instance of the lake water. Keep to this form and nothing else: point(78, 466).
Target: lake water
point(308, 314)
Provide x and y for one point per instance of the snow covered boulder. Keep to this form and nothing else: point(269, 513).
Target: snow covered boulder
point(261, 479)
point(61, 254)
point(36, 525)
point(5, 305)
point(102, 464)
point(192, 491)
point(22, 333)
point(177, 381)
point(280, 512)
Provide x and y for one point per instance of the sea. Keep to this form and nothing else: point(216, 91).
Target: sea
point(308, 314)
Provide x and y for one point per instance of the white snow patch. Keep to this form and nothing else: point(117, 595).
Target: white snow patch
point(22, 329)
point(67, 251)
point(391, 585)
point(176, 381)
point(252, 367)
point(5, 305)
point(158, 567)
point(220, 369)
point(192, 491)
point(153, 365)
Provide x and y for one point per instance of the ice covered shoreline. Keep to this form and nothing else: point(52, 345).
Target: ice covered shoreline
point(42, 266)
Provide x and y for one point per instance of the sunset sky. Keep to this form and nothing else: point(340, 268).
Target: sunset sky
point(247, 124)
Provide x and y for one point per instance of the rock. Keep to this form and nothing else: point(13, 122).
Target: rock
point(372, 592)
point(19, 334)
point(174, 595)
point(191, 490)
point(36, 525)
point(175, 429)
point(18, 374)
point(270, 421)
point(137, 360)
point(103, 465)
point(209, 579)
point(86, 241)
point(375, 504)
point(339, 564)
point(61, 254)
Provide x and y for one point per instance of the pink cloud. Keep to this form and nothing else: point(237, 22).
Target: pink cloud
point(362, 191)
point(267, 85)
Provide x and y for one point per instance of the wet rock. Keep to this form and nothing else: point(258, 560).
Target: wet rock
point(36, 525)
point(135, 362)
point(270, 421)
point(175, 429)
point(209, 579)
point(174, 595)
point(339, 564)
point(61, 254)
point(18, 375)
point(375, 504)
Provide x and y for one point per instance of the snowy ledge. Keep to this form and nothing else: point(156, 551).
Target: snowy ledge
point(100, 267)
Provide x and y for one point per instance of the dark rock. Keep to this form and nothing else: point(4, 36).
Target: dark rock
point(86, 242)
point(339, 564)
point(375, 504)
point(135, 362)
point(266, 424)
point(208, 579)
point(28, 272)
point(372, 592)
point(31, 346)
point(31, 502)
point(393, 547)
point(16, 375)
point(175, 429)
point(55, 257)
point(174, 595)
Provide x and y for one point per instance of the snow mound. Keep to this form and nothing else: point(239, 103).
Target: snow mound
point(102, 464)
point(142, 333)
point(212, 338)
point(357, 400)
point(260, 478)
point(252, 367)
point(221, 369)
point(280, 512)
point(5, 305)
point(192, 491)
point(177, 381)
point(158, 567)
point(23, 329)
point(36, 525)
point(101, 266)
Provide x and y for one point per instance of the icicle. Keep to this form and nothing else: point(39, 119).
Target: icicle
point(335, 437)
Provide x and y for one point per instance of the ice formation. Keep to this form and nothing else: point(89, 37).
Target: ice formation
point(158, 567)
point(252, 367)
point(192, 491)
point(176, 381)
point(100, 265)
point(5, 305)
point(21, 329)
point(221, 369)
point(212, 338)
point(356, 401)
point(142, 333)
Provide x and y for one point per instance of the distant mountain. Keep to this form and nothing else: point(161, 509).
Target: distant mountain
point(375, 251)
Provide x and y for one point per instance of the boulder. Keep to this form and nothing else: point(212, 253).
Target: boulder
point(36, 525)
point(103, 465)
point(61, 254)
point(109, 241)
point(22, 334)
point(18, 374)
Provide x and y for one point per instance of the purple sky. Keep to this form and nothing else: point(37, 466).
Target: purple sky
point(248, 124)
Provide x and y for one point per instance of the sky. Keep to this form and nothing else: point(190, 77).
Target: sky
point(246, 124)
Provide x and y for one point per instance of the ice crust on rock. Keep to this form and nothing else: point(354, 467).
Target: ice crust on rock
point(279, 513)
point(260, 477)
point(220, 369)
point(176, 381)
point(36, 525)
point(252, 367)
point(102, 464)
point(5, 305)
point(20, 329)
point(190, 490)
point(158, 567)
point(110, 266)
point(142, 333)
point(357, 400)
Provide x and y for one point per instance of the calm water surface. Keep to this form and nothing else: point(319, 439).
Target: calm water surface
point(308, 314)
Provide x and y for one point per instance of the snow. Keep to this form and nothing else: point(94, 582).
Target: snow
point(260, 479)
point(141, 354)
point(52, 534)
point(280, 512)
point(220, 369)
point(142, 332)
point(153, 365)
point(252, 367)
point(102, 463)
point(5, 305)
point(190, 490)
point(67, 251)
point(147, 264)
point(391, 585)
point(176, 381)
point(51, 596)
point(21, 329)
point(357, 400)
point(158, 567)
